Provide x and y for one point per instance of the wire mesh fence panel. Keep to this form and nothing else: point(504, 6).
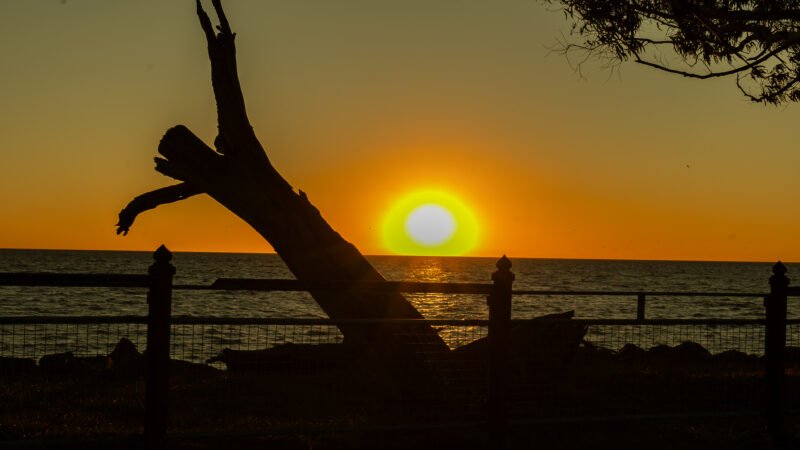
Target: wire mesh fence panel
point(665, 369)
point(715, 338)
point(71, 379)
point(251, 375)
point(275, 375)
point(72, 343)
point(300, 376)
point(290, 376)
point(793, 367)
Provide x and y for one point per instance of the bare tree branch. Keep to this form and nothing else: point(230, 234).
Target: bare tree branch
point(760, 38)
point(151, 200)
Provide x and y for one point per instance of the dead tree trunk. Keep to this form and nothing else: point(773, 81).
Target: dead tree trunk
point(240, 176)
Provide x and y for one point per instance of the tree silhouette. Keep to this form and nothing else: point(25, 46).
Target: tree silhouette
point(757, 42)
point(239, 175)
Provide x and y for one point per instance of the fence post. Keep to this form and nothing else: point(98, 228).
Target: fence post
point(499, 302)
point(159, 300)
point(774, 349)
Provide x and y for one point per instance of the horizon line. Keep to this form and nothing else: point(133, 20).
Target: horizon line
point(416, 256)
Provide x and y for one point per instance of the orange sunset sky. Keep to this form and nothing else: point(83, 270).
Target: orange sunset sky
point(361, 102)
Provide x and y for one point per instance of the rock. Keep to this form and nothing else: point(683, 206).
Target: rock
point(734, 359)
point(125, 360)
point(68, 363)
point(792, 354)
point(731, 356)
point(587, 347)
point(588, 353)
point(631, 352)
point(57, 363)
point(285, 356)
point(16, 367)
point(90, 363)
point(685, 351)
point(550, 340)
point(660, 350)
point(190, 369)
point(691, 351)
point(123, 354)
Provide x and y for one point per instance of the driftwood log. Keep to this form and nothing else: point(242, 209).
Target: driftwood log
point(545, 344)
point(238, 174)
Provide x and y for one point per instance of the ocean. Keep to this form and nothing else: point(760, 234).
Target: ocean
point(531, 274)
point(197, 343)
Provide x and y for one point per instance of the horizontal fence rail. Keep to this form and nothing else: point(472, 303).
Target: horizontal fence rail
point(255, 284)
point(73, 279)
point(290, 285)
point(199, 320)
point(57, 320)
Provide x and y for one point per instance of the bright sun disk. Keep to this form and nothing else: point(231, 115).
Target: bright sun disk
point(430, 223)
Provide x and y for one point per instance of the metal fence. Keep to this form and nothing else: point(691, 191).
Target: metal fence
point(87, 376)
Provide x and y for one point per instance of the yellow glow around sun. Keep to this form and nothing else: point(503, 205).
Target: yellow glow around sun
point(430, 223)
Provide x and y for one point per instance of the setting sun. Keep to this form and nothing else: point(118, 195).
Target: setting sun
point(430, 223)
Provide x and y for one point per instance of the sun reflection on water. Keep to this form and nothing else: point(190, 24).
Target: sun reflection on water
point(444, 306)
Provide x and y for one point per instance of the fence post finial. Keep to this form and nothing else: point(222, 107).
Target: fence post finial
point(779, 278)
point(504, 263)
point(503, 278)
point(162, 254)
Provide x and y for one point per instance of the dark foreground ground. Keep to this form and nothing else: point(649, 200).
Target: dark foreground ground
point(314, 397)
point(738, 434)
point(662, 435)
